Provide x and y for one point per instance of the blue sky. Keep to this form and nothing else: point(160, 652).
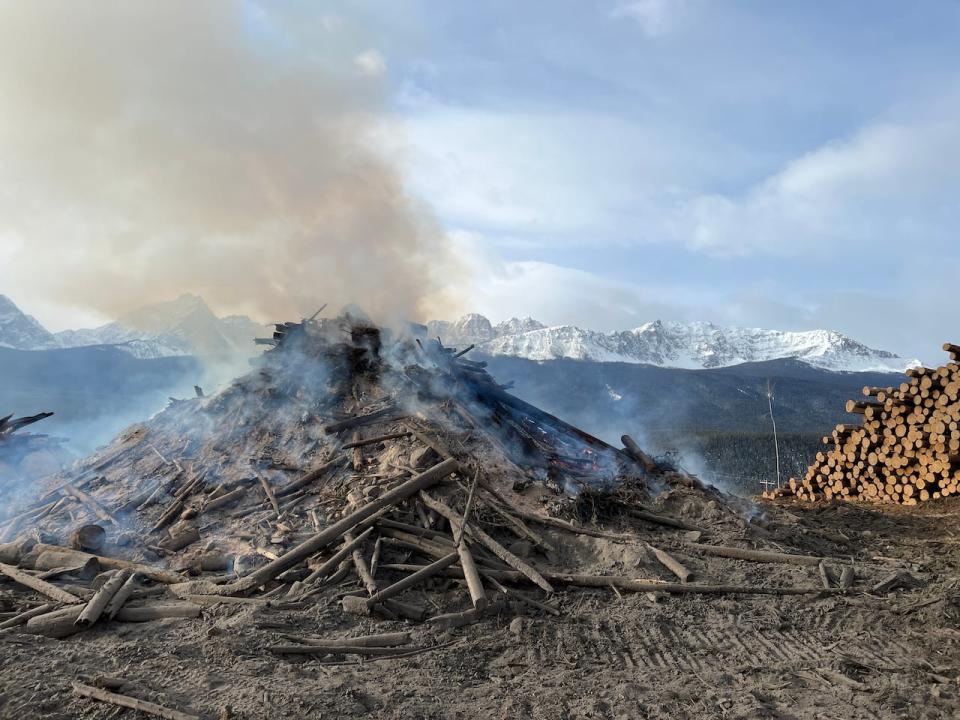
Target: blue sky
point(767, 163)
point(793, 165)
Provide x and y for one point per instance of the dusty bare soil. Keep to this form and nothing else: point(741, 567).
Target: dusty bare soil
point(607, 655)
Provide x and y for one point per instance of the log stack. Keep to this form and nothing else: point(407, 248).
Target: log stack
point(904, 450)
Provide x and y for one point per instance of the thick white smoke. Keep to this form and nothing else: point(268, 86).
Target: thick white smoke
point(221, 148)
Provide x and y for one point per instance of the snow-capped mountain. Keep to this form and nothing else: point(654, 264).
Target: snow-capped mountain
point(21, 331)
point(185, 326)
point(695, 345)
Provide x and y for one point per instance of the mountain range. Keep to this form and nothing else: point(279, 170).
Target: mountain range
point(187, 326)
point(181, 327)
point(694, 345)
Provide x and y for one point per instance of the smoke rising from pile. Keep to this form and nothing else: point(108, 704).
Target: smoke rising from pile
point(220, 148)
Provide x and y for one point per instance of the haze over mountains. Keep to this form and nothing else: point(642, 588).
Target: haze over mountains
point(187, 326)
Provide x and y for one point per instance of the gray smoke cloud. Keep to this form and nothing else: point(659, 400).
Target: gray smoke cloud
point(222, 148)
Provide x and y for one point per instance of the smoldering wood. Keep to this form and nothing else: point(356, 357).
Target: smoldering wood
point(391, 412)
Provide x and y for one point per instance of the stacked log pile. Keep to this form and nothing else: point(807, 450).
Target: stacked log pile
point(905, 450)
point(345, 460)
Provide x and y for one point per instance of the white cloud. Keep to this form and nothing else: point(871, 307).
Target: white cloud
point(559, 295)
point(371, 63)
point(561, 177)
point(889, 184)
point(655, 17)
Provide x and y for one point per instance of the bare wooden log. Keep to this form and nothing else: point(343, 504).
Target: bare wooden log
point(179, 536)
point(309, 478)
point(846, 577)
point(416, 578)
point(155, 574)
point(824, 575)
point(56, 624)
point(22, 618)
point(121, 596)
point(375, 558)
point(342, 649)
point(334, 561)
point(145, 613)
point(171, 513)
point(98, 603)
point(456, 619)
point(360, 565)
point(496, 548)
point(763, 556)
point(41, 586)
point(225, 500)
point(112, 698)
point(671, 563)
point(88, 502)
point(268, 491)
point(626, 583)
point(356, 605)
point(380, 640)
point(302, 551)
point(478, 595)
point(372, 440)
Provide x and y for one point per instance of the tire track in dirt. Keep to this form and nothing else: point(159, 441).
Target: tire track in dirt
point(667, 647)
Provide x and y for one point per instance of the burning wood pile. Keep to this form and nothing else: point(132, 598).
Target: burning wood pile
point(359, 465)
point(906, 450)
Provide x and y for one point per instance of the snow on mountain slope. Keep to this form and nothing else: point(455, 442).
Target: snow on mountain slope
point(185, 326)
point(21, 331)
point(668, 344)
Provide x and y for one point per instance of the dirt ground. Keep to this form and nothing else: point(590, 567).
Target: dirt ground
point(607, 655)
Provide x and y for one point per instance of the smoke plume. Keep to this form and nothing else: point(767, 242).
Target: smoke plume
point(222, 148)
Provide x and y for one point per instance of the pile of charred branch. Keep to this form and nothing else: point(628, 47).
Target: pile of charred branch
point(421, 472)
point(906, 450)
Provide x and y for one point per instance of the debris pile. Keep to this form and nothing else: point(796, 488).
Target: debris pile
point(364, 467)
point(906, 450)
